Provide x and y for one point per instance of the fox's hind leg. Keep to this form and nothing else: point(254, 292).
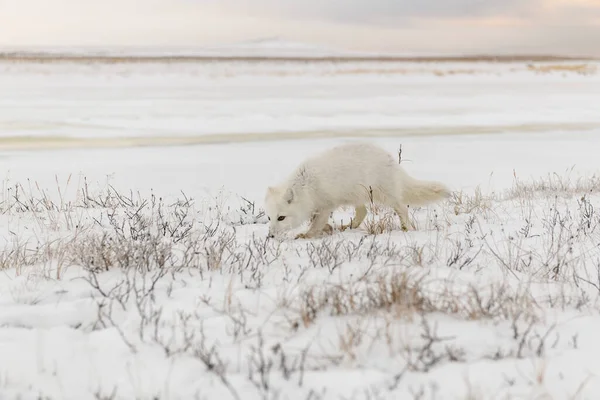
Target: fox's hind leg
point(402, 211)
point(400, 208)
point(360, 212)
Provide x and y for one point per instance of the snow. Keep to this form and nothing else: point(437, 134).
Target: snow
point(144, 272)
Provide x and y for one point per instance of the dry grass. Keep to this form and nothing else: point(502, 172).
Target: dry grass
point(367, 70)
point(341, 70)
point(380, 220)
point(553, 184)
point(404, 295)
point(476, 203)
point(447, 72)
point(581, 69)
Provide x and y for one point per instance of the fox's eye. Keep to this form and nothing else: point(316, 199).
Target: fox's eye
point(281, 218)
point(269, 218)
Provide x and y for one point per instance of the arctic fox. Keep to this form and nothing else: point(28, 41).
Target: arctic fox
point(352, 174)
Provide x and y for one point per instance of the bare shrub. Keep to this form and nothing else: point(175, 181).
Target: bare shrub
point(405, 294)
point(478, 203)
point(381, 220)
point(553, 184)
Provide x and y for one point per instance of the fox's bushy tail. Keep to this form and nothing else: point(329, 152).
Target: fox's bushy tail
point(416, 192)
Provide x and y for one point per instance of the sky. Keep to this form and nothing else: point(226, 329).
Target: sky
point(569, 27)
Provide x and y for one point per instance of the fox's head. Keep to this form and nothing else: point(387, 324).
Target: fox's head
point(285, 209)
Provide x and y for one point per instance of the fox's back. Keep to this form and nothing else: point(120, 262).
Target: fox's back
point(345, 168)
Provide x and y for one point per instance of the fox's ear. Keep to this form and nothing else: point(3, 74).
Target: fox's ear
point(289, 195)
point(270, 190)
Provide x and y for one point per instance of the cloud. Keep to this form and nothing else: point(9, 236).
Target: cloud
point(566, 26)
point(387, 11)
point(548, 26)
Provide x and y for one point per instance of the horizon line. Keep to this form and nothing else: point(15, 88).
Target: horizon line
point(56, 57)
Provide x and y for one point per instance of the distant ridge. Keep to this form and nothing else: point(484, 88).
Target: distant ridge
point(255, 50)
point(111, 59)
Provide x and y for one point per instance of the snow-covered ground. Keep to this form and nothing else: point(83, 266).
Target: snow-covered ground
point(145, 272)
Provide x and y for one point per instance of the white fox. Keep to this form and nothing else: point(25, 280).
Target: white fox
point(353, 174)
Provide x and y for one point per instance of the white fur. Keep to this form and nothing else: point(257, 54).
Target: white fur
point(348, 175)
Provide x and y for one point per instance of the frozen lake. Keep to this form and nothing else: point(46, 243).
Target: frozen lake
point(205, 102)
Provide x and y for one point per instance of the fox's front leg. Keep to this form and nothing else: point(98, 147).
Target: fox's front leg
point(318, 225)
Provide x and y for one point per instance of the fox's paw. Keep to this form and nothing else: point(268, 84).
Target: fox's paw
point(327, 229)
point(409, 227)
